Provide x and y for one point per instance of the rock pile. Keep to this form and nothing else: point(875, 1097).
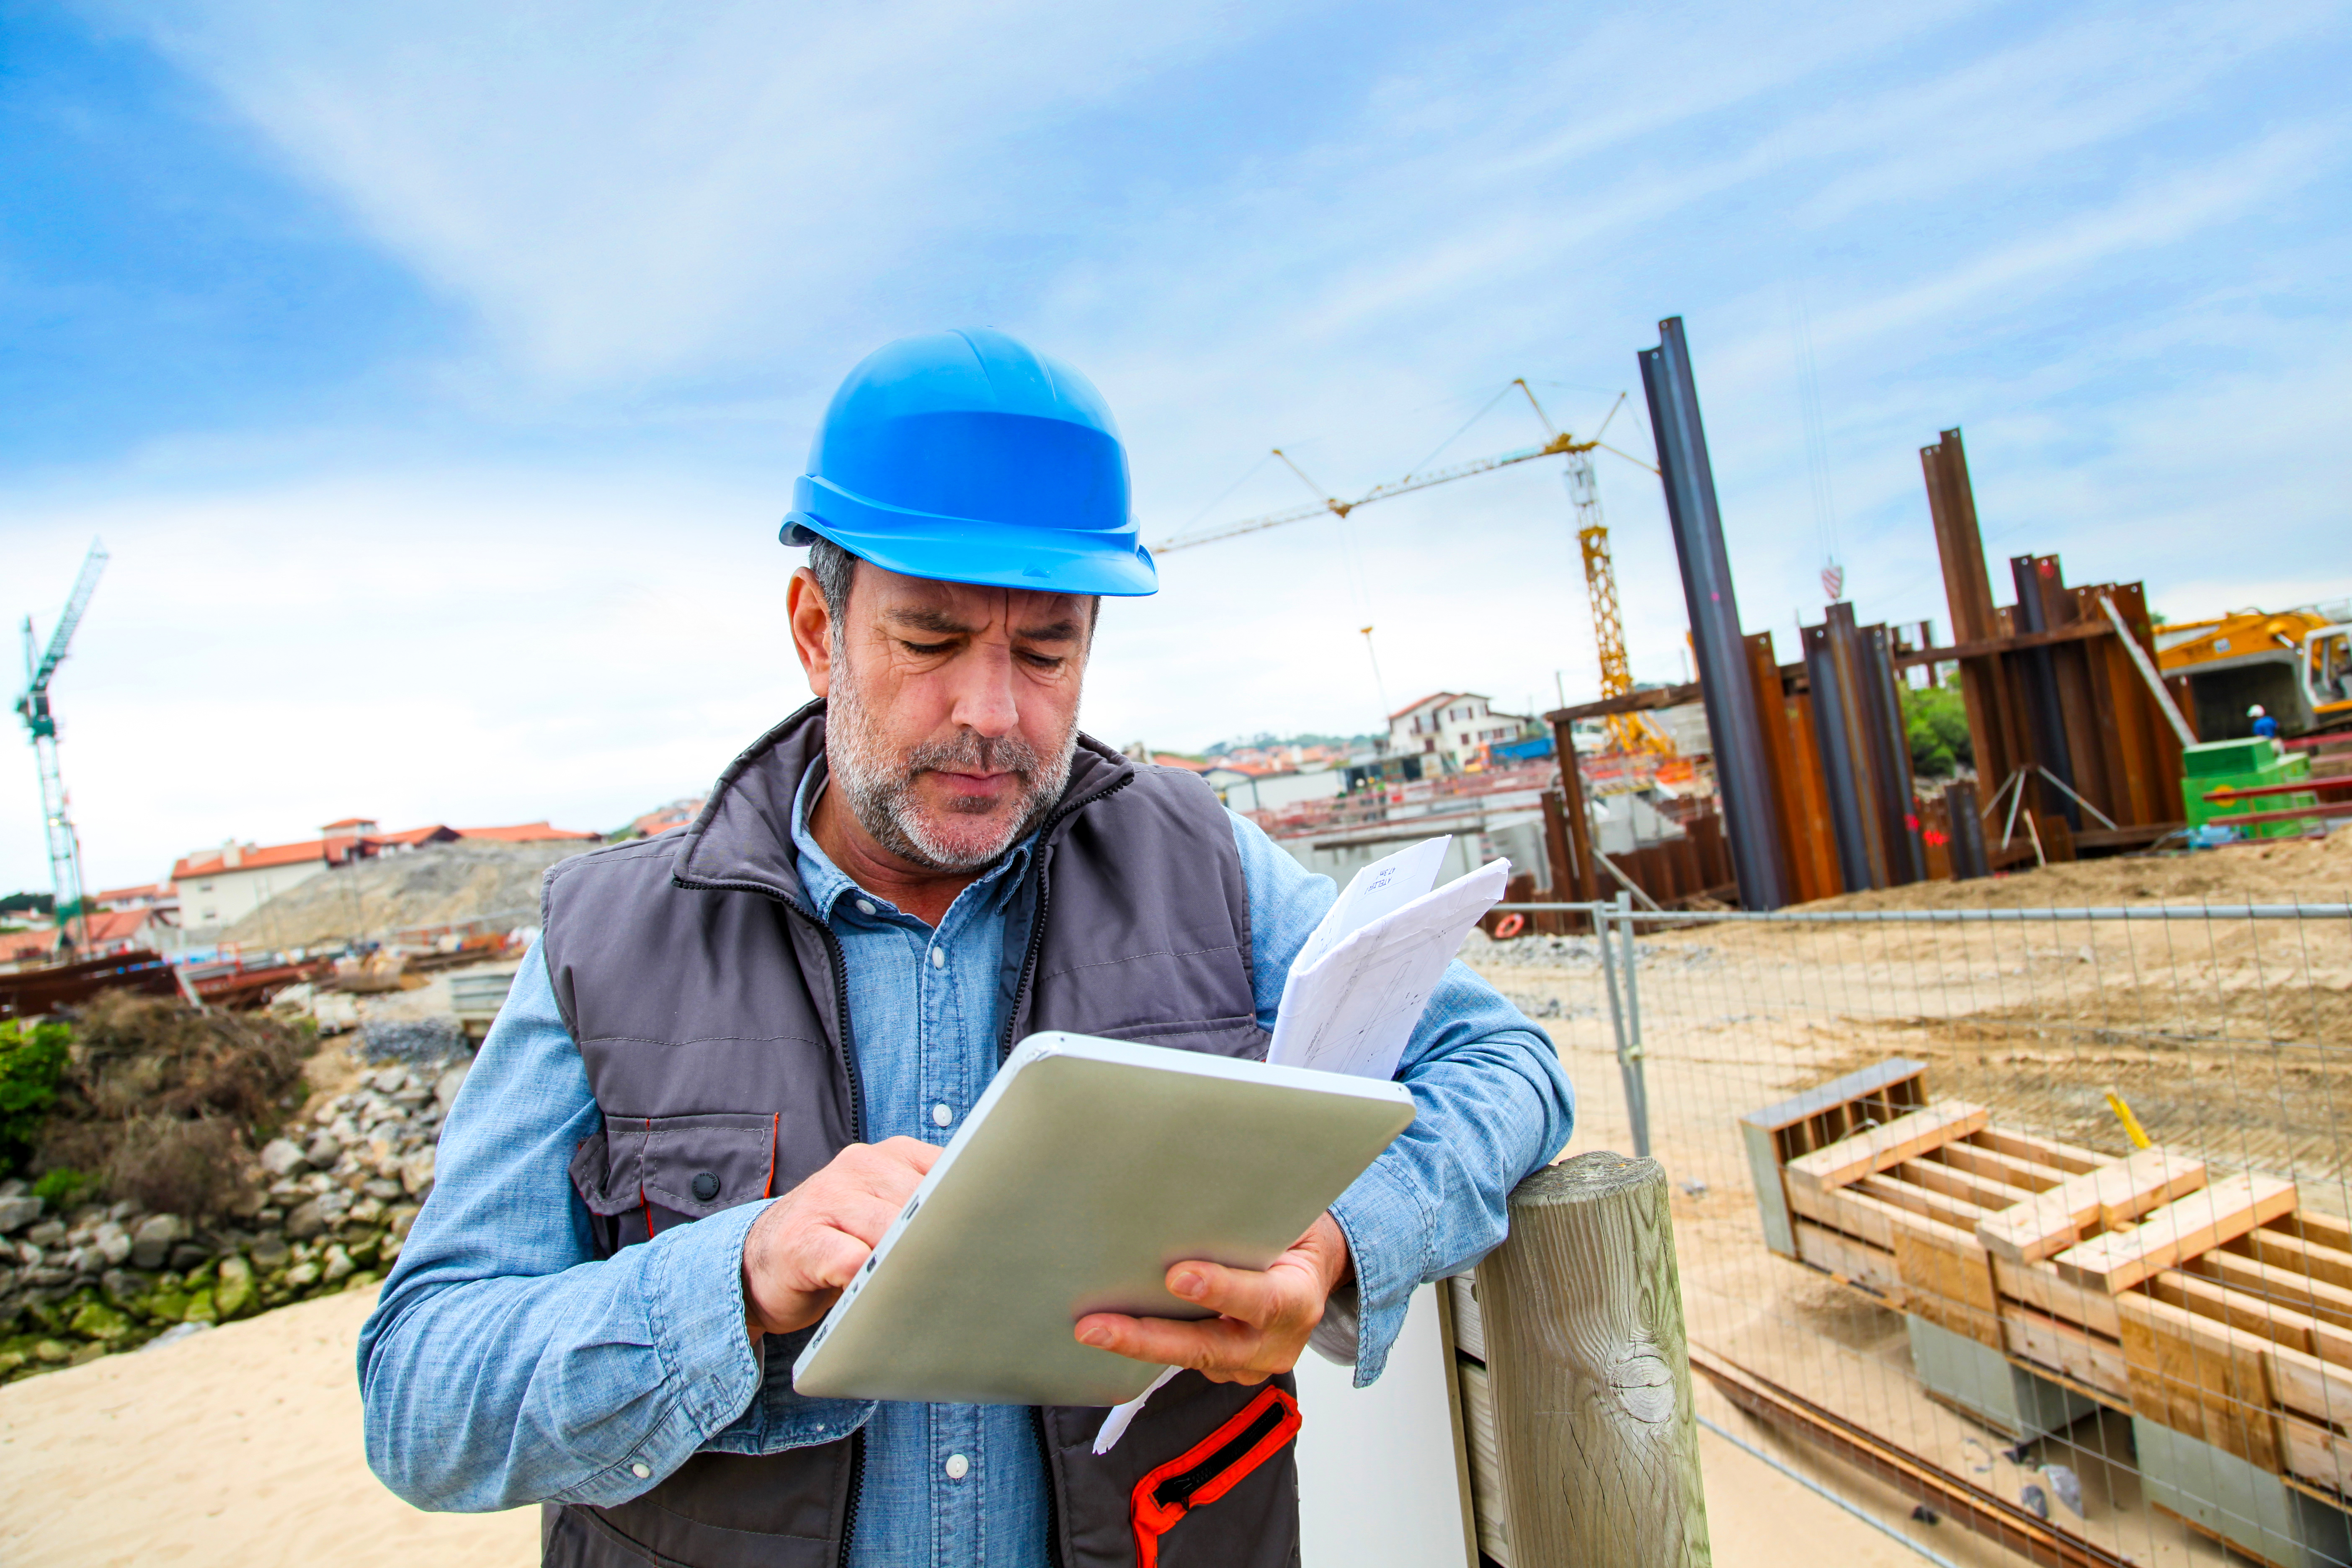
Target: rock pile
point(343, 1189)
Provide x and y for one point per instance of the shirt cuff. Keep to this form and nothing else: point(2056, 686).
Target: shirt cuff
point(1388, 1241)
point(693, 1286)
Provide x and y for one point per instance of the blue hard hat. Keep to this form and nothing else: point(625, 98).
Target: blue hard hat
point(968, 457)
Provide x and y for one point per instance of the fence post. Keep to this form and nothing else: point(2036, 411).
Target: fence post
point(1617, 975)
point(1581, 1312)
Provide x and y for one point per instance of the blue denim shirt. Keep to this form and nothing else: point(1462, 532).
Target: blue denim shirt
point(505, 1364)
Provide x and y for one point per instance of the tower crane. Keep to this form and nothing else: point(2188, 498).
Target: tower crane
point(65, 848)
point(1629, 733)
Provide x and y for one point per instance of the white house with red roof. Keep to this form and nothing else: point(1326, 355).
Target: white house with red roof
point(1455, 725)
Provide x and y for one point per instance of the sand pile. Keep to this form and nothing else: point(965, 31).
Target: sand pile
point(2270, 871)
point(438, 884)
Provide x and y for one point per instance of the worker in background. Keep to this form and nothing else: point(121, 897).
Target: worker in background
point(736, 1048)
point(2266, 727)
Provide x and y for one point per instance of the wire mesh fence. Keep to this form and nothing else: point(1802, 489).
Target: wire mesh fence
point(1926, 1262)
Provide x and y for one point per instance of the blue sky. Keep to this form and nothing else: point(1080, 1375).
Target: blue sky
point(436, 372)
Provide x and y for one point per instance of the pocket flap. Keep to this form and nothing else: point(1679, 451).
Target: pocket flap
point(689, 1166)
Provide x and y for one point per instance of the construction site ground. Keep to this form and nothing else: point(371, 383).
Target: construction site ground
point(2221, 1035)
point(240, 1449)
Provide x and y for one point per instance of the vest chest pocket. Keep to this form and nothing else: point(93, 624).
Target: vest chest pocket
point(641, 1175)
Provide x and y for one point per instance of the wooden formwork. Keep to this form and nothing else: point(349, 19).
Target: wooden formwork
point(2204, 1299)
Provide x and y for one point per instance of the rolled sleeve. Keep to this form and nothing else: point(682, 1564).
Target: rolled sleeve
point(504, 1363)
point(1492, 1103)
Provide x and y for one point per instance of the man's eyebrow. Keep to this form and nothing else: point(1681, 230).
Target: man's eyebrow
point(942, 622)
point(1064, 630)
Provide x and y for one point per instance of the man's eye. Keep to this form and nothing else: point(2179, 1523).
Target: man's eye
point(925, 650)
point(1043, 661)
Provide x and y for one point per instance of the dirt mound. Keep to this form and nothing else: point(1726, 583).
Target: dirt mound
point(2273, 871)
point(162, 1104)
point(438, 884)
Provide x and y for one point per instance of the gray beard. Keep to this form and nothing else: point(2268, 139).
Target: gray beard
point(880, 788)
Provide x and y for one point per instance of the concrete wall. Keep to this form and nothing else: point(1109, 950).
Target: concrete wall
point(215, 902)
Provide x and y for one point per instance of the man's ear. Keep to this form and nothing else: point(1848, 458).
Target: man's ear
point(811, 625)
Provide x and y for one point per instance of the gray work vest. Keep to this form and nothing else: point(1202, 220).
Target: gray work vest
point(707, 1001)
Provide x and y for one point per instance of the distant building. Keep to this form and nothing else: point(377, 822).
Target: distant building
point(151, 896)
point(220, 886)
point(664, 820)
point(1456, 726)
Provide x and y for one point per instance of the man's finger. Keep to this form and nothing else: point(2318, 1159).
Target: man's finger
point(830, 1258)
point(1215, 1344)
point(1262, 1299)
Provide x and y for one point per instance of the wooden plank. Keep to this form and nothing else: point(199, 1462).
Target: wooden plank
point(2059, 1217)
point(2209, 1299)
point(1851, 1159)
point(2268, 1282)
point(2315, 1453)
point(2180, 1229)
point(1928, 1172)
point(1948, 1281)
point(2027, 1175)
point(2330, 1265)
point(1958, 1213)
point(2324, 1229)
point(2200, 1377)
point(2042, 1151)
point(2039, 1287)
point(1853, 1212)
point(1849, 1260)
point(2085, 1357)
point(2318, 1389)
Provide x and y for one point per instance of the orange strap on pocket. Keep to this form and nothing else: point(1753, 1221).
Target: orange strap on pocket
point(1209, 1469)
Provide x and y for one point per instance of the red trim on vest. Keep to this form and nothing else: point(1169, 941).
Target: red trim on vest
point(775, 1126)
point(642, 1202)
point(1155, 1517)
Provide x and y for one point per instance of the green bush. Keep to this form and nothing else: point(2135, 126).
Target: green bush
point(61, 1187)
point(1935, 725)
point(32, 1059)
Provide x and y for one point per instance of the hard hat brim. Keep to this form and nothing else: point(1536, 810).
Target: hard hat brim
point(988, 554)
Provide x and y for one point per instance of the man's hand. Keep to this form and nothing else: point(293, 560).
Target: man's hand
point(811, 1242)
point(1264, 1319)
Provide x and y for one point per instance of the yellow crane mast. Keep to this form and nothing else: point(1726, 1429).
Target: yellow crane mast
point(1629, 733)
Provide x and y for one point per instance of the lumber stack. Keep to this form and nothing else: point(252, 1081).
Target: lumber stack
point(2203, 1299)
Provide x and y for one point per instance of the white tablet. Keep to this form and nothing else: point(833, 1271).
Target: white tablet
point(1087, 1171)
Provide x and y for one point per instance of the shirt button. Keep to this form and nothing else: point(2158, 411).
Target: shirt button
point(864, 906)
point(942, 1116)
point(939, 958)
point(641, 1469)
point(957, 1466)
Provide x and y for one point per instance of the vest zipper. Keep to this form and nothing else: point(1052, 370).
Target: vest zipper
point(857, 1487)
point(1052, 1492)
point(1045, 903)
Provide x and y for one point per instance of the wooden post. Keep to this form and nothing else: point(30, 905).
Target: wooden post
point(1580, 828)
point(1581, 1319)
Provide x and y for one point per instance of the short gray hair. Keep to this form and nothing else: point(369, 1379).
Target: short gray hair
point(833, 567)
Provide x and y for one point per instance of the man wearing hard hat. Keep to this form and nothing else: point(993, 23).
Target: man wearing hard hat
point(735, 1050)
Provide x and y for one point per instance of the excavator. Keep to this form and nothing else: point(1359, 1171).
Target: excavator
point(2296, 665)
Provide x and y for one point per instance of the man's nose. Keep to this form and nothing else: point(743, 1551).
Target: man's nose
point(984, 700)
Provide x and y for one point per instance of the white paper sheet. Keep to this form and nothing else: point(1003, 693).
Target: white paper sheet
point(1351, 1007)
point(1381, 889)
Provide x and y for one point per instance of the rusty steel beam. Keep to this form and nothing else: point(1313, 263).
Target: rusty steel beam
point(1645, 700)
point(2078, 631)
